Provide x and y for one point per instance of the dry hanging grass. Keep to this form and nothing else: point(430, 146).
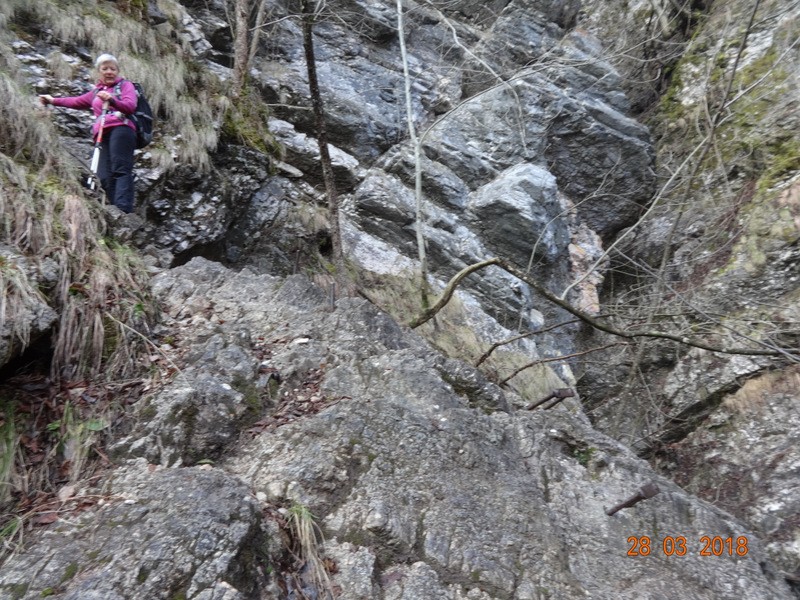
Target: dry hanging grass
point(45, 217)
point(53, 251)
point(305, 534)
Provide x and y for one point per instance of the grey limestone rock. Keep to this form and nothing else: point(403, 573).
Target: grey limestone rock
point(519, 215)
point(421, 474)
point(162, 533)
point(25, 314)
point(758, 482)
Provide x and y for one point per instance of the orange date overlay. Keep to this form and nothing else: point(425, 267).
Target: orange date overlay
point(680, 546)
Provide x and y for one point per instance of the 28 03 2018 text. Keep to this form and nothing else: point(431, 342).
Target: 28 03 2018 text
point(682, 546)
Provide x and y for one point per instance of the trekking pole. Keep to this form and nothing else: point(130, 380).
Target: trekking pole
point(96, 156)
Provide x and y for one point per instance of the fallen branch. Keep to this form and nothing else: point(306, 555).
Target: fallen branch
point(647, 491)
point(792, 354)
point(449, 290)
point(560, 394)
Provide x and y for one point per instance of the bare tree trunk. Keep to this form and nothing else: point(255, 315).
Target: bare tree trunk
point(417, 144)
point(241, 47)
point(259, 25)
point(322, 131)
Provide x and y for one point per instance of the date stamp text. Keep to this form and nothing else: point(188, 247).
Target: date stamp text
point(681, 546)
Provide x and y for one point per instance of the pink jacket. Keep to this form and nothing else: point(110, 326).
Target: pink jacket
point(118, 107)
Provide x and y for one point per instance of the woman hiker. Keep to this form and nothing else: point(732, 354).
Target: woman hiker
point(115, 169)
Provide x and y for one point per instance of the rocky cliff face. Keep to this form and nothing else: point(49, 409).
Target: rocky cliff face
point(426, 478)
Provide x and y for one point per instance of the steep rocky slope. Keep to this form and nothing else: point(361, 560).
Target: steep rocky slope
point(426, 477)
point(428, 481)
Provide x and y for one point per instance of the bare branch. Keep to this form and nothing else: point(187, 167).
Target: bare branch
point(449, 289)
point(309, 15)
point(550, 359)
point(412, 132)
point(793, 354)
point(522, 336)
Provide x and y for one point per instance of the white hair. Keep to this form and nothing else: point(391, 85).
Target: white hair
point(104, 58)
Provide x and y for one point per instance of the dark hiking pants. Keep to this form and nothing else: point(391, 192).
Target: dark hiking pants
point(115, 170)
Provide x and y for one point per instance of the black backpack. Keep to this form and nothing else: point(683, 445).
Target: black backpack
point(142, 116)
